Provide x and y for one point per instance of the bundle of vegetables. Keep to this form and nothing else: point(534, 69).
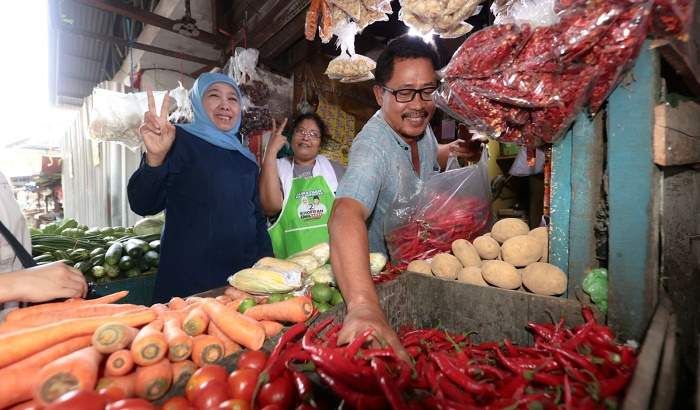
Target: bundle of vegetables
point(102, 254)
point(433, 229)
point(129, 350)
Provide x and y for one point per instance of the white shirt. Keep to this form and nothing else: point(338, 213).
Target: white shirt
point(11, 216)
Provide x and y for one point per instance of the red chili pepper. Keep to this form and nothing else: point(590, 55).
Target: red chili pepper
point(452, 392)
point(567, 394)
point(576, 358)
point(291, 334)
point(580, 336)
point(615, 385)
point(391, 392)
point(490, 371)
point(307, 341)
point(452, 372)
point(353, 398)
point(354, 347)
point(303, 386)
point(543, 331)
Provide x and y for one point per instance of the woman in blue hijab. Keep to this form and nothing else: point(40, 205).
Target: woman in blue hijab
point(207, 182)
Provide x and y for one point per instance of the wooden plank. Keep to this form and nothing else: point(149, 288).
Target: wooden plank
point(642, 385)
point(560, 206)
point(632, 197)
point(262, 30)
point(666, 381)
point(586, 180)
point(677, 134)
point(147, 17)
point(684, 54)
point(284, 38)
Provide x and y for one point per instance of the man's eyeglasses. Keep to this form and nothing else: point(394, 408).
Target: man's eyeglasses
point(405, 95)
point(310, 134)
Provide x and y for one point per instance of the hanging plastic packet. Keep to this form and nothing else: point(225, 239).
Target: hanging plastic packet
point(362, 14)
point(183, 114)
point(671, 18)
point(348, 66)
point(442, 17)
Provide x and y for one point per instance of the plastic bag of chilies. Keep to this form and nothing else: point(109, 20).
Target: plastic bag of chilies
point(426, 217)
point(525, 85)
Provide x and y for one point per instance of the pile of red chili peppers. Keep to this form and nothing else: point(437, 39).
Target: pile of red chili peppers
point(566, 368)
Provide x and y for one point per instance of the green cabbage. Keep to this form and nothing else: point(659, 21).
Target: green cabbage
point(151, 225)
point(596, 285)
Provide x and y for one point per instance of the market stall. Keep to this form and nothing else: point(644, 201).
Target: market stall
point(494, 314)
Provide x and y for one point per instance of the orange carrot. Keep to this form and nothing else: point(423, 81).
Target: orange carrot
point(149, 345)
point(27, 405)
point(19, 376)
point(179, 343)
point(272, 328)
point(78, 312)
point(111, 337)
point(153, 381)
point(296, 309)
point(76, 371)
point(234, 304)
point(223, 299)
point(23, 343)
point(183, 369)
point(119, 363)
point(230, 347)
point(206, 349)
point(177, 303)
point(239, 328)
point(20, 314)
point(195, 322)
point(127, 383)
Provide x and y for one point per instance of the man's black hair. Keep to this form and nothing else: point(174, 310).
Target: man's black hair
point(403, 47)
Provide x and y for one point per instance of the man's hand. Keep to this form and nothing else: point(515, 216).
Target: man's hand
point(461, 149)
point(370, 316)
point(156, 130)
point(46, 282)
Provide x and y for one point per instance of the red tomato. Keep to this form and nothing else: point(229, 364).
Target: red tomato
point(241, 384)
point(305, 406)
point(131, 404)
point(203, 375)
point(279, 392)
point(212, 393)
point(112, 393)
point(177, 403)
point(252, 359)
point(234, 404)
point(272, 407)
point(78, 400)
point(28, 405)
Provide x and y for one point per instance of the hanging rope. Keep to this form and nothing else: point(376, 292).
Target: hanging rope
point(127, 23)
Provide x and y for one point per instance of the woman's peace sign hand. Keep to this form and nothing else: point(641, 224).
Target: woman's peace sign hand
point(157, 132)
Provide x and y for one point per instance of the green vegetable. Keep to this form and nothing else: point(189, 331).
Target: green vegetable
point(596, 285)
point(321, 293)
point(79, 254)
point(97, 259)
point(246, 304)
point(322, 307)
point(152, 257)
point(51, 228)
point(126, 262)
point(111, 271)
point(133, 272)
point(97, 251)
point(46, 257)
point(83, 267)
point(324, 274)
point(149, 226)
point(337, 297)
point(106, 231)
point(114, 253)
point(67, 223)
point(133, 248)
point(98, 271)
point(275, 297)
point(155, 245)
point(92, 231)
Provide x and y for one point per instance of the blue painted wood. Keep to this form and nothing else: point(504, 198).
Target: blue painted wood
point(586, 180)
point(560, 210)
point(633, 177)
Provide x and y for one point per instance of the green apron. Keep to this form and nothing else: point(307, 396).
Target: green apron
point(303, 221)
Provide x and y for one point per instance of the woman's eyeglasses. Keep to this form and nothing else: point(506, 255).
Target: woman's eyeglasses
point(310, 134)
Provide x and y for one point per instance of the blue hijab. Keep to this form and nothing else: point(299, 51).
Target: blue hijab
point(203, 128)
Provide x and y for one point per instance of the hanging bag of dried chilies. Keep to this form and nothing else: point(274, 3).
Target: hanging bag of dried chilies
point(426, 217)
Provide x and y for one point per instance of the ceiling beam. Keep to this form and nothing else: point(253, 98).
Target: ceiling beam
point(201, 71)
point(146, 17)
point(274, 21)
point(140, 46)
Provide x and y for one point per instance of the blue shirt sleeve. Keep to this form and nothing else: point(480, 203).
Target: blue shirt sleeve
point(147, 188)
point(363, 177)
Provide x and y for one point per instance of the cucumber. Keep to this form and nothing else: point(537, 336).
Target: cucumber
point(155, 245)
point(143, 265)
point(109, 238)
point(126, 262)
point(114, 253)
point(97, 251)
point(45, 257)
point(98, 271)
point(61, 255)
point(106, 231)
point(152, 258)
point(92, 231)
point(133, 272)
point(79, 254)
point(83, 267)
point(111, 271)
point(97, 259)
point(133, 248)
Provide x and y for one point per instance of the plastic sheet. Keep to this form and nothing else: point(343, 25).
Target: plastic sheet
point(425, 220)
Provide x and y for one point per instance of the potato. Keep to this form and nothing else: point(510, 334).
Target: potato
point(466, 253)
point(471, 275)
point(542, 234)
point(544, 279)
point(487, 247)
point(521, 250)
point(501, 274)
point(445, 266)
point(508, 228)
point(420, 266)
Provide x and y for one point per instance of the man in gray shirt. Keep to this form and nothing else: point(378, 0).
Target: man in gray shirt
point(395, 147)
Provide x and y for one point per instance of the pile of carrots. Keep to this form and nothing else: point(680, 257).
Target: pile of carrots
point(50, 349)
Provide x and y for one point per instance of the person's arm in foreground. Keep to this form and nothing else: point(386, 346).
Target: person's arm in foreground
point(42, 283)
point(349, 258)
point(270, 186)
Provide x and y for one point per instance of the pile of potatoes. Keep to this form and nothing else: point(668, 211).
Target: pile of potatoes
point(511, 256)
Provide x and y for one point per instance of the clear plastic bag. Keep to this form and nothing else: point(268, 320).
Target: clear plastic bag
point(361, 14)
point(521, 166)
point(671, 18)
point(443, 17)
point(426, 217)
point(183, 114)
point(116, 116)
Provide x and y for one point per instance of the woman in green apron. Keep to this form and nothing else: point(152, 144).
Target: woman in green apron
point(300, 189)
